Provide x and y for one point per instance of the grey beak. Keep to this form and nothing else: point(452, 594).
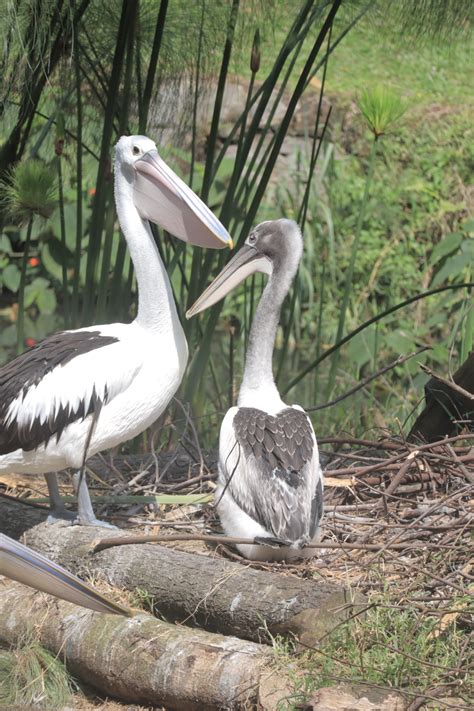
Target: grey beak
point(20, 563)
point(162, 197)
point(247, 261)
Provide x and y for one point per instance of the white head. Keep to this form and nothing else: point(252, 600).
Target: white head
point(160, 196)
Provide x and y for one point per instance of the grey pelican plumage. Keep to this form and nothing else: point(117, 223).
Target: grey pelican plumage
point(20, 563)
point(79, 392)
point(270, 481)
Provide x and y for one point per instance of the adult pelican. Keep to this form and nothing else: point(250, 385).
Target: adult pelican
point(270, 481)
point(79, 392)
point(20, 563)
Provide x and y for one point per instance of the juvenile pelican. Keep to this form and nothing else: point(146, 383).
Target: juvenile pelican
point(79, 392)
point(20, 563)
point(270, 480)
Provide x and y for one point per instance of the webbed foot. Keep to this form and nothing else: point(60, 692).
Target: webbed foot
point(61, 515)
point(86, 520)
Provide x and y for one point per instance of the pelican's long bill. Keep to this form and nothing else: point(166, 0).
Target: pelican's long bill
point(20, 563)
point(247, 261)
point(162, 197)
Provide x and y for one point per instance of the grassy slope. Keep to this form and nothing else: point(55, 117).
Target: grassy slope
point(426, 72)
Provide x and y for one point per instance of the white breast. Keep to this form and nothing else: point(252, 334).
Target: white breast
point(141, 373)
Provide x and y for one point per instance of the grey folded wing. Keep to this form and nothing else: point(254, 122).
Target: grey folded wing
point(274, 473)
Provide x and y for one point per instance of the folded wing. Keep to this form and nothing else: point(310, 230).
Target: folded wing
point(272, 471)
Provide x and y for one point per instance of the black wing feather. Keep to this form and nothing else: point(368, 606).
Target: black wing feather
point(27, 370)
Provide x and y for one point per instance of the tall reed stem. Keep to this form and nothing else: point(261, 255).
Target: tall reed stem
point(62, 224)
point(78, 245)
point(350, 269)
point(20, 343)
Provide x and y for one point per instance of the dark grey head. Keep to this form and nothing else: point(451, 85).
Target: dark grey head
point(273, 247)
point(280, 241)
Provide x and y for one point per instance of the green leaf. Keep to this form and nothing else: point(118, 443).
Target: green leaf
point(8, 336)
point(30, 190)
point(381, 108)
point(52, 255)
point(361, 349)
point(468, 226)
point(11, 277)
point(69, 211)
point(400, 342)
point(46, 301)
point(30, 295)
point(33, 290)
point(453, 267)
point(448, 245)
point(5, 244)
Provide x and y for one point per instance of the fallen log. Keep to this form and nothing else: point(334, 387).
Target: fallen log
point(143, 660)
point(208, 591)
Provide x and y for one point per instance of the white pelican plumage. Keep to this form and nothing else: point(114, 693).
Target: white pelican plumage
point(270, 480)
point(78, 392)
point(20, 563)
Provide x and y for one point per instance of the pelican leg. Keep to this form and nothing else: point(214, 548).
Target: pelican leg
point(85, 512)
point(58, 512)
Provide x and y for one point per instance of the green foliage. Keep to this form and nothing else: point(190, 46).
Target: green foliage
point(133, 63)
point(30, 189)
point(382, 108)
point(40, 293)
point(31, 677)
point(416, 202)
point(392, 644)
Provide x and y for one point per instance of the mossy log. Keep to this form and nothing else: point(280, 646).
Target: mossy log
point(143, 660)
point(207, 591)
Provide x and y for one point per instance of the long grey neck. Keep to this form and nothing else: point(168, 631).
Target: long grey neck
point(156, 307)
point(258, 386)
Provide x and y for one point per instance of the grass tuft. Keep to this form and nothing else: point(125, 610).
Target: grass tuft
point(381, 108)
point(31, 677)
point(30, 190)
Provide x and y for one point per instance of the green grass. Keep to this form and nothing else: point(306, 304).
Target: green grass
point(424, 70)
point(31, 677)
point(393, 645)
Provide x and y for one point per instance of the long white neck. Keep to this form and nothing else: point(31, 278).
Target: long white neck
point(156, 307)
point(258, 387)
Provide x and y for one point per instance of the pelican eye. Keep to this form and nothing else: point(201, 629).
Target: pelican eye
point(136, 150)
point(252, 239)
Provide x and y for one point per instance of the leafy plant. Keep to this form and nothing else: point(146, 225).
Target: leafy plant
point(29, 190)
